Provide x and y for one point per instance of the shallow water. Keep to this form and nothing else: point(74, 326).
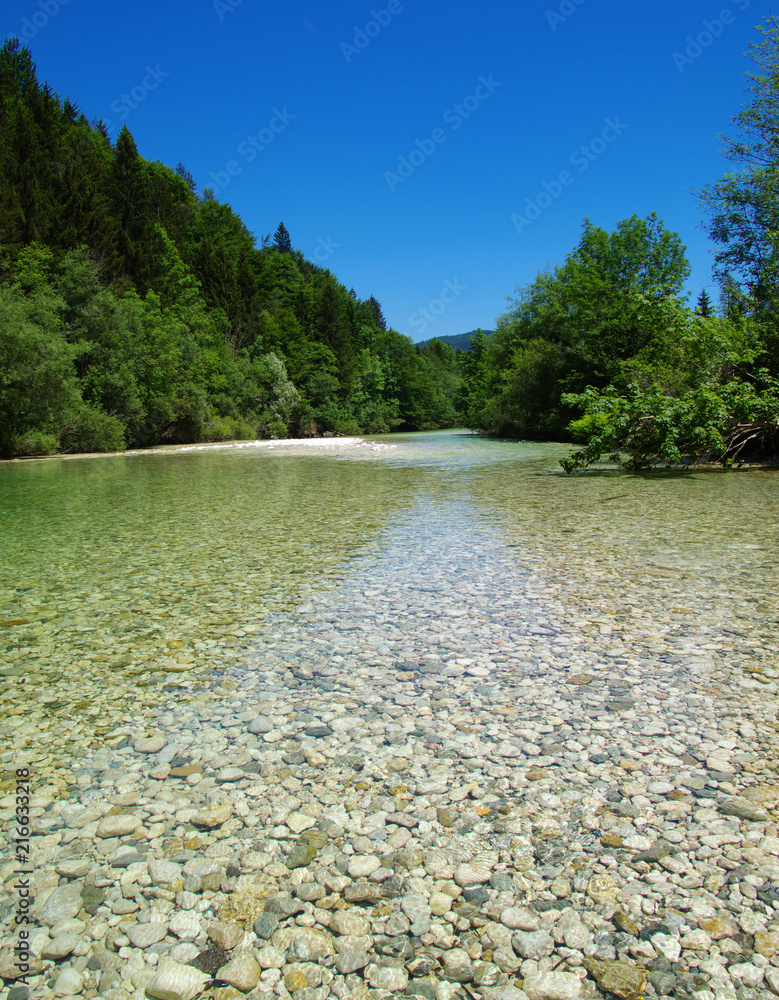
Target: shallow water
point(124, 579)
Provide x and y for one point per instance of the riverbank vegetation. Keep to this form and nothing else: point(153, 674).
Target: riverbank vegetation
point(604, 350)
point(135, 311)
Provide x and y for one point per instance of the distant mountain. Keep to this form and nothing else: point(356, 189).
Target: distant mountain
point(459, 341)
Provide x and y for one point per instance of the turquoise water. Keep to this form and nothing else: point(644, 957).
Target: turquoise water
point(121, 576)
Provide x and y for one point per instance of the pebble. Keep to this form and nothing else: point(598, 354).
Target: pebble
point(243, 972)
point(552, 986)
point(118, 826)
point(559, 787)
point(174, 981)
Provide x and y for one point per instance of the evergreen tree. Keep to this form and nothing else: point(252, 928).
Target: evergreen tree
point(281, 241)
point(132, 208)
point(703, 306)
point(744, 206)
point(378, 315)
point(186, 176)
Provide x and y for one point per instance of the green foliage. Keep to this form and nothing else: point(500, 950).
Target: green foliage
point(134, 312)
point(721, 406)
point(744, 205)
point(38, 386)
point(574, 326)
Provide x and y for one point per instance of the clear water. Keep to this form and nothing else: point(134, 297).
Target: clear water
point(124, 576)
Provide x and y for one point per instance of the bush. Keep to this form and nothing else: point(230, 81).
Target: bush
point(35, 443)
point(227, 429)
point(93, 430)
point(347, 427)
point(276, 429)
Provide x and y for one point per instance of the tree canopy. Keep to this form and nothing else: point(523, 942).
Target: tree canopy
point(135, 311)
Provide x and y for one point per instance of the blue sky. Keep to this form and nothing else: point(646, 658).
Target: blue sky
point(403, 144)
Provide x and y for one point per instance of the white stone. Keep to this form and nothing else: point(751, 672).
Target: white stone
point(150, 744)
point(242, 971)
point(362, 865)
point(145, 935)
point(177, 982)
point(519, 918)
point(298, 822)
point(69, 983)
point(552, 986)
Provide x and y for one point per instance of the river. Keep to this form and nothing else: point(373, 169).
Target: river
point(123, 577)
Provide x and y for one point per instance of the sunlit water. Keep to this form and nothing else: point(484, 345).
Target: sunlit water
point(123, 578)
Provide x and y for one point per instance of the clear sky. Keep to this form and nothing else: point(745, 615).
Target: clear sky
point(403, 144)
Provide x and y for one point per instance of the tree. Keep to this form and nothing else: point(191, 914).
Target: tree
point(703, 396)
point(281, 240)
point(132, 207)
point(704, 307)
point(575, 326)
point(744, 205)
point(378, 315)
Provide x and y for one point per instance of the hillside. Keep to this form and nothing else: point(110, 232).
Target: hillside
point(136, 310)
point(459, 341)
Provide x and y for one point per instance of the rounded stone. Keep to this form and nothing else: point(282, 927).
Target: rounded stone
point(552, 986)
point(519, 918)
point(387, 978)
point(149, 744)
point(362, 865)
point(351, 961)
point(61, 946)
point(68, 983)
point(145, 935)
point(118, 826)
point(457, 965)
point(243, 972)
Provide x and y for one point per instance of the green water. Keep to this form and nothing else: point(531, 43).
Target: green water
point(124, 576)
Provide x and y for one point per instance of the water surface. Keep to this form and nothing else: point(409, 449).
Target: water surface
point(125, 579)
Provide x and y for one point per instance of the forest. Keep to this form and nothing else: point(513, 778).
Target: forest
point(136, 311)
point(604, 350)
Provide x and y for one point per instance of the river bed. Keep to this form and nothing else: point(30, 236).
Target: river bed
point(416, 643)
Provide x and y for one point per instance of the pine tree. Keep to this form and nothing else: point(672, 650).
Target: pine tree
point(185, 175)
point(381, 323)
point(132, 206)
point(703, 307)
point(281, 241)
